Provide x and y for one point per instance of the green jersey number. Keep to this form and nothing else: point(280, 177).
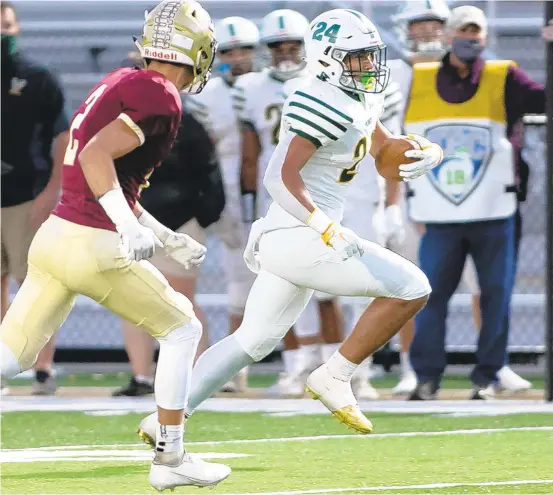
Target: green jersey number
point(321, 30)
point(273, 114)
point(347, 174)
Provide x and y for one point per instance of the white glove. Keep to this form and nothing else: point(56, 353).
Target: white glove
point(429, 156)
point(344, 241)
point(184, 249)
point(139, 241)
point(181, 247)
point(395, 226)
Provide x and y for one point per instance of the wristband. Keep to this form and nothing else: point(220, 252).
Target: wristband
point(320, 222)
point(116, 207)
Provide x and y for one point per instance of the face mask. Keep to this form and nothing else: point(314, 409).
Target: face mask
point(466, 50)
point(8, 44)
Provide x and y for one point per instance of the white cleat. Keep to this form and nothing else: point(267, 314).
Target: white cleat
point(190, 472)
point(291, 385)
point(238, 385)
point(338, 397)
point(407, 384)
point(147, 430)
point(288, 385)
point(363, 389)
point(510, 381)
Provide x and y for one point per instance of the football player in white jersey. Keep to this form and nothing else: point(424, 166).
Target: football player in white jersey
point(328, 126)
point(373, 218)
point(420, 25)
point(238, 39)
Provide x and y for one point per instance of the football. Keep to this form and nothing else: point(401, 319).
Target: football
point(392, 154)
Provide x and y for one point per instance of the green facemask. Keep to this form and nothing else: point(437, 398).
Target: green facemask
point(9, 44)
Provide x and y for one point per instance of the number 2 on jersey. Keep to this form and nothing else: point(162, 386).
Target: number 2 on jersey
point(273, 113)
point(73, 146)
point(347, 174)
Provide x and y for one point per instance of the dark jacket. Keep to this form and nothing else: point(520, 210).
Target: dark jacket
point(189, 183)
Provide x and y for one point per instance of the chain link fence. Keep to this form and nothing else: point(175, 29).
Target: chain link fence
point(83, 40)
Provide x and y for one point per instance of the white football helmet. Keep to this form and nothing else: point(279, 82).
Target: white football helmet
point(284, 25)
point(233, 33)
point(236, 32)
point(333, 36)
point(421, 11)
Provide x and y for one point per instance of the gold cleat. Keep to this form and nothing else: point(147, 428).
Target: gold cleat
point(350, 416)
point(147, 439)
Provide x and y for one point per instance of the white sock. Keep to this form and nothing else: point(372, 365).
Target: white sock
point(148, 380)
point(406, 367)
point(290, 359)
point(169, 446)
point(327, 351)
point(340, 368)
point(9, 365)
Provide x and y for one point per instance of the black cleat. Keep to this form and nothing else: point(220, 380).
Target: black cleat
point(134, 389)
point(424, 391)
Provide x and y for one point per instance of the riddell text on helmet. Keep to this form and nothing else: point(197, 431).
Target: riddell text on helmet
point(159, 54)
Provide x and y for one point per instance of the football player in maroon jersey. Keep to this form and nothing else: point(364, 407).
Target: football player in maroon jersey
point(97, 239)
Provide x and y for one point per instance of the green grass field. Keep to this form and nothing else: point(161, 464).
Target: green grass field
point(389, 380)
point(295, 454)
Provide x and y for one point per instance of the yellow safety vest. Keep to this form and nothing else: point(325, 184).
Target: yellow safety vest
point(476, 179)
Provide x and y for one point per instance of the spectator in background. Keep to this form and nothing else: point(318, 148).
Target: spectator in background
point(34, 137)
point(468, 203)
point(186, 194)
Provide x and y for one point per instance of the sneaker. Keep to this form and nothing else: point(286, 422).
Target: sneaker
point(483, 393)
point(363, 389)
point(45, 384)
point(238, 385)
point(134, 389)
point(337, 396)
point(4, 389)
point(406, 385)
point(424, 391)
point(511, 382)
point(192, 471)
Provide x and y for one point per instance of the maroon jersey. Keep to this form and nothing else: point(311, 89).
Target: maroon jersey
point(151, 106)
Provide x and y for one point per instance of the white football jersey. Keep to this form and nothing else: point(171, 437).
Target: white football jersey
point(213, 108)
point(340, 125)
point(259, 98)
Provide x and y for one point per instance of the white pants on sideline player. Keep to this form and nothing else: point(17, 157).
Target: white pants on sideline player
point(295, 262)
point(233, 234)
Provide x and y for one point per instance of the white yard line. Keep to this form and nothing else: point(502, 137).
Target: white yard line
point(474, 431)
point(402, 487)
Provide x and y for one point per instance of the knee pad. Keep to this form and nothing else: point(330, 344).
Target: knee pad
point(183, 333)
point(25, 348)
point(259, 342)
point(9, 364)
point(415, 286)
